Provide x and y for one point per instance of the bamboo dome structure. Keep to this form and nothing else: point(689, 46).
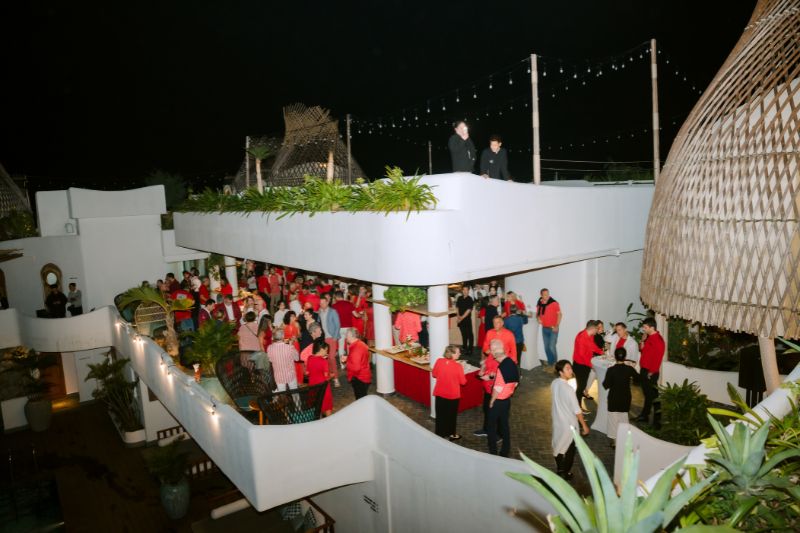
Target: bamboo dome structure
point(311, 137)
point(723, 239)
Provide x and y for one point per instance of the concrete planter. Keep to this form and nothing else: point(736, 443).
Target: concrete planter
point(39, 413)
point(131, 439)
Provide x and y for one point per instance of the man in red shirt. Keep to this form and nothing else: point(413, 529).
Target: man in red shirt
point(505, 383)
point(231, 312)
point(345, 311)
point(359, 373)
point(312, 298)
point(548, 312)
point(652, 353)
point(585, 349)
point(504, 335)
point(274, 282)
point(183, 317)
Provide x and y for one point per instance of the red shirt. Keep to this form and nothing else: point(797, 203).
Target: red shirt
point(489, 367)
point(263, 283)
point(506, 337)
point(358, 362)
point(507, 307)
point(449, 375)
point(181, 294)
point(274, 284)
point(409, 325)
point(549, 317)
point(345, 311)
point(313, 299)
point(290, 275)
point(323, 289)
point(652, 353)
point(203, 294)
point(227, 289)
point(584, 348)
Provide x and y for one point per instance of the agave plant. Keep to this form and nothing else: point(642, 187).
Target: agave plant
point(140, 295)
point(606, 510)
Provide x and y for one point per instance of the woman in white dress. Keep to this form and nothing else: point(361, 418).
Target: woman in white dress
point(566, 414)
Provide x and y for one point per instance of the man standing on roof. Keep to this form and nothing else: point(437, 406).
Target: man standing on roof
point(494, 160)
point(462, 150)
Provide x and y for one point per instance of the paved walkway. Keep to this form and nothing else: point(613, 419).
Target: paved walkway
point(531, 426)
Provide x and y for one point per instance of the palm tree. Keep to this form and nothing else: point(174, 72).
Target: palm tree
point(149, 295)
point(259, 153)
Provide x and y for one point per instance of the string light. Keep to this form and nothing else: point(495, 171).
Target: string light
point(474, 93)
point(490, 82)
point(458, 99)
point(510, 81)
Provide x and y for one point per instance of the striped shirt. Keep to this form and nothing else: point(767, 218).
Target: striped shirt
point(282, 357)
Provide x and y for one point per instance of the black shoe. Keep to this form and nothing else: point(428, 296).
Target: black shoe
point(480, 433)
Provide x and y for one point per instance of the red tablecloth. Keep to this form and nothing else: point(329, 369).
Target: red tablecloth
point(414, 383)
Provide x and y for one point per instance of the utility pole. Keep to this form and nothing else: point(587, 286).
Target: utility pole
point(349, 154)
point(247, 161)
point(430, 160)
point(654, 83)
point(537, 158)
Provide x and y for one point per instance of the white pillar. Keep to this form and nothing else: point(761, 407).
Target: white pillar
point(662, 325)
point(769, 363)
point(438, 329)
point(232, 275)
point(384, 366)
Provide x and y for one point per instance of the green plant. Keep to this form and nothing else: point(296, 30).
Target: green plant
point(17, 224)
point(400, 298)
point(753, 492)
point(212, 341)
point(168, 463)
point(23, 372)
point(259, 153)
point(683, 414)
point(149, 295)
point(607, 510)
point(218, 261)
point(116, 392)
point(398, 193)
point(698, 346)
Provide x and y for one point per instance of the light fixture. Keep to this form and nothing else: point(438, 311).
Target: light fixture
point(69, 227)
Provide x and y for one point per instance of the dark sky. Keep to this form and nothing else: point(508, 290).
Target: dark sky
point(103, 93)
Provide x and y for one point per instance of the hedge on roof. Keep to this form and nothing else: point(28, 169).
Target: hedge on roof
point(395, 194)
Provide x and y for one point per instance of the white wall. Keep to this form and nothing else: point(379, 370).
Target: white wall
point(88, 203)
point(174, 253)
point(52, 212)
point(155, 416)
point(444, 245)
point(23, 275)
point(598, 288)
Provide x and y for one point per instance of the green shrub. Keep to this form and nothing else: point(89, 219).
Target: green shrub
point(683, 414)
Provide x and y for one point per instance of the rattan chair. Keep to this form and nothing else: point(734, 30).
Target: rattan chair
point(293, 406)
point(244, 385)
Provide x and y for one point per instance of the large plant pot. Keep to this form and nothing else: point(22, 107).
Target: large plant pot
point(132, 439)
point(175, 499)
point(39, 413)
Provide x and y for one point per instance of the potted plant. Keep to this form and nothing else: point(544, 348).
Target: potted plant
point(116, 392)
point(23, 370)
point(212, 341)
point(168, 464)
point(401, 298)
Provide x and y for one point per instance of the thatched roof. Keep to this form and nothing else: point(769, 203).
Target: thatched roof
point(723, 238)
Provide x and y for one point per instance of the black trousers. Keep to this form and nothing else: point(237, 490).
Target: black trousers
point(359, 388)
point(564, 460)
point(582, 377)
point(498, 426)
point(467, 337)
point(649, 389)
point(446, 415)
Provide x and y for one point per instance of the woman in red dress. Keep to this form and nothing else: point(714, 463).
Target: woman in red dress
point(317, 366)
point(291, 333)
point(359, 301)
point(369, 314)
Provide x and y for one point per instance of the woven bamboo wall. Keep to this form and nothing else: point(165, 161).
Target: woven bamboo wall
point(723, 240)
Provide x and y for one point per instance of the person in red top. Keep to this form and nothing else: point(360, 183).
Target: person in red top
point(504, 335)
point(548, 313)
point(486, 375)
point(512, 299)
point(505, 383)
point(274, 289)
point(408, 325)
point(183, 318)
point(359, 301)
point(653, 348)
point(345, 311)
point(317, 368)
point(449, 376)
point(206, 313)
point(585, 348)
point(311, 298)
point(359, 374)
point(225, 288)
point(231, 312)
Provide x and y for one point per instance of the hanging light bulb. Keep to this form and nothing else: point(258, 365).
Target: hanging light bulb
point(510, 81)
point(529, 68)
point(474, 93)
point(429, 106)
point(380, 125)
point(553, 95)
point(600, 72)
point(583, 82)
point(566, 87)
point(490, 82)
point(458, 99)
point(415, 116)
point(443, 107)
point(544, 73)
point(588, 69)
point(560, 69)
point(574, 75)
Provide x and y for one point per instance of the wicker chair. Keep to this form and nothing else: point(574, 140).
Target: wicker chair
point(244, 385)
point(293, 406)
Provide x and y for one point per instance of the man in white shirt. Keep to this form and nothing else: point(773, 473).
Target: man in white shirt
point(620, 338)
point(566, 414)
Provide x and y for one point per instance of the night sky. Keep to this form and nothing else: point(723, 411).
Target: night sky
point(101, 94)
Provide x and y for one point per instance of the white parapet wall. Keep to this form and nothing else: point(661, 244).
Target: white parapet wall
point(370, 448)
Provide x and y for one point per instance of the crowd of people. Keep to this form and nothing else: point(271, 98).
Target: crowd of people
point(288, 320)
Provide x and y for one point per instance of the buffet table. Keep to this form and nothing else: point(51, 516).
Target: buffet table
point(413, 380)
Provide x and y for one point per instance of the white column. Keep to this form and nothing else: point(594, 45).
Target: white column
point(231, 274)
point(384, 367)
point(438, 329)
point(661, 325)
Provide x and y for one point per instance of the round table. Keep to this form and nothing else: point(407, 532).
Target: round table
point(601, 364)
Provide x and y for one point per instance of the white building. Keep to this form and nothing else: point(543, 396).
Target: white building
point(368, 465)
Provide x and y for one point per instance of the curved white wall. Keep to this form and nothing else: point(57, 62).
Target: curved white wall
point(480, 228)
point(419, 481)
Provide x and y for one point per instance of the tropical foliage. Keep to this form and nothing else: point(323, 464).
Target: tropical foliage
point(212, 341)
point(394, 194)
point(168, 463)
point(683, 414)
point(17, 225)
point(400, 298)
point(149, 295)
point(708, 347)
point(607, 510)
point(22, 371)
point(116, 392)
